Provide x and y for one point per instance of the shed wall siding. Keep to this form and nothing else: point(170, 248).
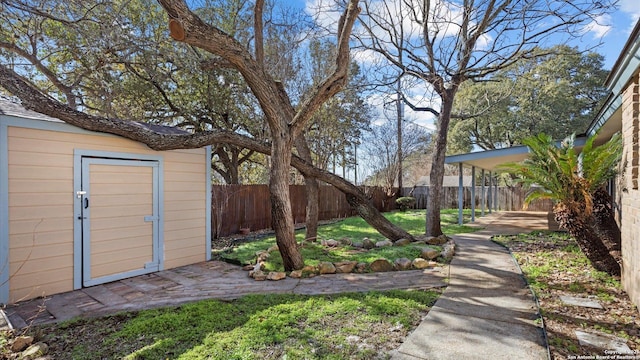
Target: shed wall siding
point(630, 195)
point(41, 197)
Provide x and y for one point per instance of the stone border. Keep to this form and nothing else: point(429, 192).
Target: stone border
point(426, 260)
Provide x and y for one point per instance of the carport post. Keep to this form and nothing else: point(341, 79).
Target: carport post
point(489, 192)
point(495, 194)
point(460, 193)
point(483, 201)
point(473, 194)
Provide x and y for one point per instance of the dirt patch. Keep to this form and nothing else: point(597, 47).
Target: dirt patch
point(555, 267)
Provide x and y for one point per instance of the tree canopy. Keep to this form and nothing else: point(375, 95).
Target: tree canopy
point(444, 44)
point(556, 94)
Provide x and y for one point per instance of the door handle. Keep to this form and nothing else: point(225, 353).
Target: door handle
point(86, 203)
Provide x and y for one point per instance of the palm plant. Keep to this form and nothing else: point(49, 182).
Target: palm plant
point(572, 180)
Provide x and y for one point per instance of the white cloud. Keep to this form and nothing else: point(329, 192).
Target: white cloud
point(366, 57)
point(325, 12)
point(600, 26)
point(631, 7)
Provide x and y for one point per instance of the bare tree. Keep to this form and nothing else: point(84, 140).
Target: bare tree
point(380, 150)
point(445, 43)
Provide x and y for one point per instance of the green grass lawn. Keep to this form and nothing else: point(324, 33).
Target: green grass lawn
point(345, 326)
point(354, 228)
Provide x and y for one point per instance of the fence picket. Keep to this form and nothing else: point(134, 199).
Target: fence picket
point(248, 206)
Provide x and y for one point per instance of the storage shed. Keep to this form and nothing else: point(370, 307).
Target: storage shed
point(80, 208)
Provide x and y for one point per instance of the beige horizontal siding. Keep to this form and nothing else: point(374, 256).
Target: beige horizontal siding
point(41, 197)
point(40, 215)
point(185, 194)
point(31, 285)
point(40, 228)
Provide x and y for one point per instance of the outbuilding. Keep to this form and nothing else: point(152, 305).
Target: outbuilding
point(81, 208)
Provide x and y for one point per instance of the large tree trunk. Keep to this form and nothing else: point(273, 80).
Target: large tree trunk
point(281, 213)
point(313, 188)
point(373, 217)
point(436, 176)
point(582, 229)
point(606, 224)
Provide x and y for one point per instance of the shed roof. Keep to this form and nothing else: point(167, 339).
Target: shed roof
point(12, 107)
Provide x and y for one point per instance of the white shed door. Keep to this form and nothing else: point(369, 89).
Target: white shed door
point(119, 200)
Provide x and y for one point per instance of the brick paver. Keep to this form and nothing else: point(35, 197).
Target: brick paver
point(206, 280)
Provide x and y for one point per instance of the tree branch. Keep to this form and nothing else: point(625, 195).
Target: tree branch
point(418, 108)
point(258, 25)
point(336, 81)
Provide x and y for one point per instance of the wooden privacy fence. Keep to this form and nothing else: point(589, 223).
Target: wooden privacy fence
point(249, 206)
point(508, 199)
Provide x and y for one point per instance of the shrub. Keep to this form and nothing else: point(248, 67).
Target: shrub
point(406, 202)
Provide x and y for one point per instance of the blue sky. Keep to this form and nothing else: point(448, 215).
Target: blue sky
point(613, 31)
point(610, 32)
point(606, 36)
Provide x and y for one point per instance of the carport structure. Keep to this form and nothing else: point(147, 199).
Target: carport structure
point(620, 113)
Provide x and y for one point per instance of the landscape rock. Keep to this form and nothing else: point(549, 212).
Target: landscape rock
point(381, 265)
point(384, 243)
point(361, 267)
point(345, 267)
point(422, 238)
point(420, 263)
point(21, 342)
point(429, 253)
point(262, 256)
point(357, 245)
point(296, 274)
point(247, 267)
point(326, 267)
point(448, 250)
point(330, 243)
point(402, 264)
point(276, 275)
point(35, 350)
point(346, 241)
point(309, 270)
point(258, 275)
point(402, 242)
point(368, 244)
point(273, 248)
point(436, 240)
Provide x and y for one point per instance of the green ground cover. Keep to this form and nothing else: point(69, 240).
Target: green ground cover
point(355, 229)
point(345, 326)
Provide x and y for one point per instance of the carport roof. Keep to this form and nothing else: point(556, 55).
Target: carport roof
point(607, 122)
point(492, 160)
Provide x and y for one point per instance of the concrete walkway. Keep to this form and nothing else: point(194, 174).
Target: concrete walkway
point(486, 312)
